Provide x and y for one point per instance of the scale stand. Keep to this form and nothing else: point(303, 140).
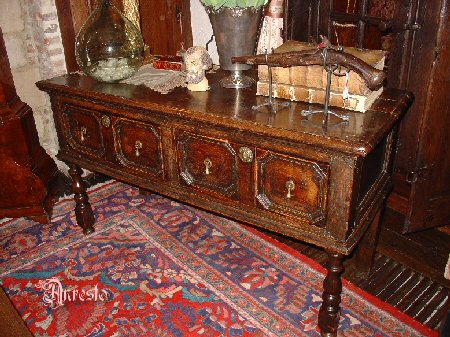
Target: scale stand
point(270, 101)
point(331, 69)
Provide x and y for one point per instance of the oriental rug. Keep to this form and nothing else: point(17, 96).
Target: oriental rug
point(156, 267)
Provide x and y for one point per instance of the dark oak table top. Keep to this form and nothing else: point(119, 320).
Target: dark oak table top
point(233, 108)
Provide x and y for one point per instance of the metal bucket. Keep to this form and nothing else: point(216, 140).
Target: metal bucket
point(235, 30)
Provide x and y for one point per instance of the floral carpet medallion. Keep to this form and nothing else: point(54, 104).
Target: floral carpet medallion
point(156, 267)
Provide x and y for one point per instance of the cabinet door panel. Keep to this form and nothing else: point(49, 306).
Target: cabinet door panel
point(348, 6)
point(430, 197)
point(382, 8)
point(345, 33)
point(166, 25)
point(351, 23)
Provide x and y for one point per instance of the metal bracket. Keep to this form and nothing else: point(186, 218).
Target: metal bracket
point(270, 101)
point(331, 69)
point(417, 175)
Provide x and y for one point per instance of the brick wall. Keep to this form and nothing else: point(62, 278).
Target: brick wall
point(35, 51)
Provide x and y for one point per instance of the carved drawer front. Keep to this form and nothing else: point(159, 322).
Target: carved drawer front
point(208, 163)
point(292, 186)
point(138, 146)
point(83, 130)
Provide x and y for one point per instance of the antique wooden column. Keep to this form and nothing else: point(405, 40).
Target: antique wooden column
point(83, 210)
point(27, 173)
point(329, 312)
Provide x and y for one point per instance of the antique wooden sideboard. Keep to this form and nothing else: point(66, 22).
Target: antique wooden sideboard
point(325, 185)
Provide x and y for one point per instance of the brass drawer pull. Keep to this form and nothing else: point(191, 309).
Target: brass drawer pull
point(83, 133)
point(138, 146)
point(290, 187)
point(106, 121)
point(208, 165)
point(246, 154)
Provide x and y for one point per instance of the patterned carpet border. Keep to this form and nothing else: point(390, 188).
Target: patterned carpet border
point(426, 331)
point(348, 286)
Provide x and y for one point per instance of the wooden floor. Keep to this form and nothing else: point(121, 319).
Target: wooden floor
point(408, 270)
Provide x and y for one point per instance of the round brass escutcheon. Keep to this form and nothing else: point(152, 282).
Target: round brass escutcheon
point(246, 154)
point(106, 121)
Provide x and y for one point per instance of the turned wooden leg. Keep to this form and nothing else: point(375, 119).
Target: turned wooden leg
point(329, 312)
point(83, 209)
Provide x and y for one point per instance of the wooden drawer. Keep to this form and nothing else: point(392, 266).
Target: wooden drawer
point(83, 130)
point(138, 146)
point(208, 164)
point(292, 186)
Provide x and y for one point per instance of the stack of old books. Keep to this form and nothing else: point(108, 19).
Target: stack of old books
point(308, 83)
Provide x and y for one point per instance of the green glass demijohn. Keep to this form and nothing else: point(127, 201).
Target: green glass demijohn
point(109, 47)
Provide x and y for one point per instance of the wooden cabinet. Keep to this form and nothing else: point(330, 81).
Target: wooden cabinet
point(421, 173)
point(322, 186)
point(27, 173)
point(416, 35)
point(212, 150)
